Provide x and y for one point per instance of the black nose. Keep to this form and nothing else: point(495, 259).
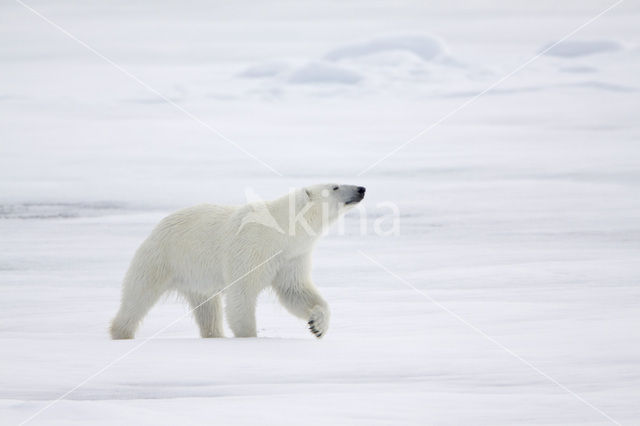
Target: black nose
point(361, 189)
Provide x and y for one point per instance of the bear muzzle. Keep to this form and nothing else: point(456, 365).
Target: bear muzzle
point(358, 196)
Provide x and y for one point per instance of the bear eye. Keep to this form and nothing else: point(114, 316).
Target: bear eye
point(335, 188)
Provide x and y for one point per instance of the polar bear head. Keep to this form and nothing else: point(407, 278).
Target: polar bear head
point(338, 198)
point(322, 204)
point(304, 213)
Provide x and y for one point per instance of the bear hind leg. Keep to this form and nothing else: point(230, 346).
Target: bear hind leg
point(207, 312)
point(137, 299)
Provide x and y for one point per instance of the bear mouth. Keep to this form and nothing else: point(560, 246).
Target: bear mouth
point(353, 201)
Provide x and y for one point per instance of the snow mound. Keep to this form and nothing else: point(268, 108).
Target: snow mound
point(601, 85)
point(575, 48)
point(426, 47)
point(579, 69)
point(320, 72)
point(58, 210)
point(267, 69)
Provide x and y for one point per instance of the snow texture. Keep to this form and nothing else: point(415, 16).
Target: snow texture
point(318, 72)
point(575, 48)
point(267, 69)
point(425, 47)
point(518, 213)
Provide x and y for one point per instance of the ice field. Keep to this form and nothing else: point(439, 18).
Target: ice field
point(509, 296)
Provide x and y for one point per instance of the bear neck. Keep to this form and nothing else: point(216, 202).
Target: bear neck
point(293, 224)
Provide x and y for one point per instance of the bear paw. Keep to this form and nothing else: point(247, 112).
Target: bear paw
point(319, 321)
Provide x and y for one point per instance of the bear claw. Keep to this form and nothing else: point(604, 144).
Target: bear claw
point(315, 331)
point(319, 321)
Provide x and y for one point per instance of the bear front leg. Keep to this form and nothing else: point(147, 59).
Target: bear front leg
point(319, 320)
point(241, 311)
point(304, 301)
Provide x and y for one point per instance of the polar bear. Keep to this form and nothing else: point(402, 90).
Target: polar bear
point(208, 251)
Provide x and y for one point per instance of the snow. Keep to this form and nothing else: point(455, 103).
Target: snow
point(267, 69)
point(426, 47)
point(574, 48)
point(519, 213)
point(318, 72)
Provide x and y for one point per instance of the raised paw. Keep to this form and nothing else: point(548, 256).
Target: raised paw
point(319, 321)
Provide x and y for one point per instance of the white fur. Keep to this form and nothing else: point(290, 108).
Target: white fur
point(200, 250)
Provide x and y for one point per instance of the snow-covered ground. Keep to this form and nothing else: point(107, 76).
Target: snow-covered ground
point(519, 214)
